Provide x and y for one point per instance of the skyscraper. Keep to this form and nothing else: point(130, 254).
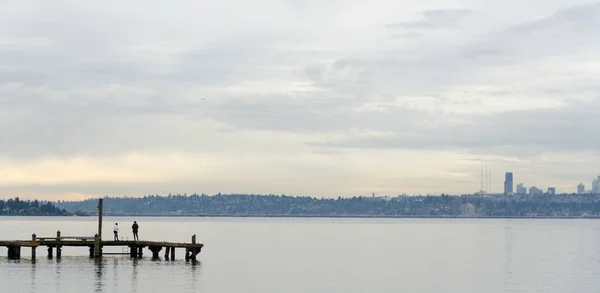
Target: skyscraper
point(521, 189)
point(551, 190)
point(580, 188)
point(508, 183)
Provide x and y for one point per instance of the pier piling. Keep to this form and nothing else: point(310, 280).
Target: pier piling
point(33, 247)
point(14, 252)
point(155, 251)
point(97, 246)
point(191, 252)
point(58, 247)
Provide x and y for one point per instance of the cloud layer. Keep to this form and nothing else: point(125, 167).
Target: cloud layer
point(300, 97)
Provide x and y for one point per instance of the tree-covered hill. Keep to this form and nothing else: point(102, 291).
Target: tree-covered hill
point(564, 205)
point(18, 207)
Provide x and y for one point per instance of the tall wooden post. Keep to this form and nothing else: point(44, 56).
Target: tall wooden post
point(194, 249)
point(98, 236)
point(58, 248)
point(100, 218)
point(33, 241)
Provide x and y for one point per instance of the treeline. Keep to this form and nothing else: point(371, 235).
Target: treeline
point(565, 205)
point(18, 207)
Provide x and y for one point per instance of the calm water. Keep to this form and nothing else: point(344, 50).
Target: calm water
point(319, 255)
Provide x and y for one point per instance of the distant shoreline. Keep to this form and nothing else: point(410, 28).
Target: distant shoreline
point(321, 216)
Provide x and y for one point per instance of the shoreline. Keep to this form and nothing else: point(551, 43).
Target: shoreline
point(315, 216)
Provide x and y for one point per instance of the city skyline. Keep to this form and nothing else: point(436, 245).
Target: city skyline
point(522, 187)
point(510, 186)
point(336, 98)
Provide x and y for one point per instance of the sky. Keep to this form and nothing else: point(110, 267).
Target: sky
point(299, 97)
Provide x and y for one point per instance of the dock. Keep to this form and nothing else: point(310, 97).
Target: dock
point(95, 245)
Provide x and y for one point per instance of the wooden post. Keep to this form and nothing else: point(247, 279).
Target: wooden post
point(100, 200)
point(167, 249)
point(33, 240)
point(14, 252)
point(140, 251)
point(155, 251)
point(194, 250)
point(50, 252)
point(97, 247)
point(173, 253)
point(58, 249)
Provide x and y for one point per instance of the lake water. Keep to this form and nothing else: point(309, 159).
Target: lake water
point(317, 255)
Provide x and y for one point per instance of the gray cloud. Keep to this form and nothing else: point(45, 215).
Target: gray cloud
point(561, 129)
point(435, 19)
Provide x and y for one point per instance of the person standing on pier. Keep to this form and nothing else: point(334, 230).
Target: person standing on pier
point(116, 231)
point(135, 228)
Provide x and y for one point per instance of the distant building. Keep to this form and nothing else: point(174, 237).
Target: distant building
point(521, 189)
point(535, 191)
point(508, 183)
point(580, 188)
point(595, 186)
point(468, 210)
point(551, 190)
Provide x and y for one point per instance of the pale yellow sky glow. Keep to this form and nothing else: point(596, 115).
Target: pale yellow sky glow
point(335, 98)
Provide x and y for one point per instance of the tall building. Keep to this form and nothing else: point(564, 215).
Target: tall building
point(508, 183)
point(551, 190)
point(580, 188)
point(521, 189)
point(595, 186)
point(535, 191)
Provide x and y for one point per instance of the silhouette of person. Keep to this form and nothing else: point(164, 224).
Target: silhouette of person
point(116, 231)
point(135, 228)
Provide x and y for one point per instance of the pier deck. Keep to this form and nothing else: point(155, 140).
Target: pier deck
point(79, 243)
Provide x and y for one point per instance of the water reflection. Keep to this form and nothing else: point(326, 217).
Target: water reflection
point(195, 266)
point(33, 277)
point(134, 276)
point(57, 277)
point(115, 274)
point(508, 255)
point(99, 267)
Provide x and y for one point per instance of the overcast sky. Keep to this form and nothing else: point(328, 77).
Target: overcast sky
point(302, 97)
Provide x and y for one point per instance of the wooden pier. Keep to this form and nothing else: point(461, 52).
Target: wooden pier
point(56, 244)
point(96, 245)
